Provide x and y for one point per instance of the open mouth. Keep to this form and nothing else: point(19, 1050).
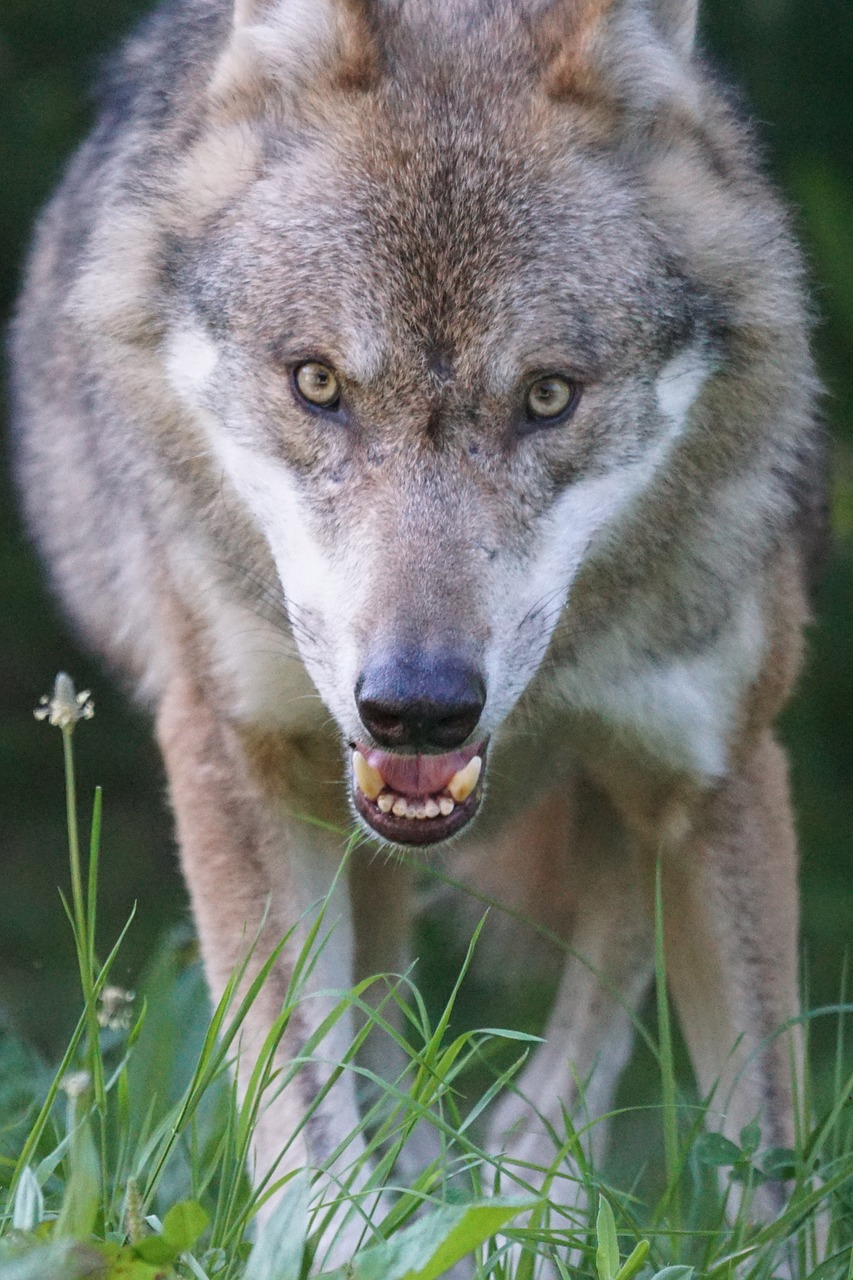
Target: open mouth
point(417, 799)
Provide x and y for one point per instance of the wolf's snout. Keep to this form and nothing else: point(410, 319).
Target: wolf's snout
point(416, 784)
point(416, 701)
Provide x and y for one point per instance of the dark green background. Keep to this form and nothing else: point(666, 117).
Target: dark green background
point(794, 61)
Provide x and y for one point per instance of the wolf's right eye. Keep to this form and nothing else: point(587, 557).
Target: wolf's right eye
point(550, 398)
point(317, 384)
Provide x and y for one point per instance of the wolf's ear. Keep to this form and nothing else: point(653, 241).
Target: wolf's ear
point(676, 20)
point(578, 39)
point(279, 47)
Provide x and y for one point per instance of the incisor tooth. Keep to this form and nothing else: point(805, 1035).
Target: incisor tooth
point(431, 809)
point(463, 783)
point(446, 806)
point(399, 808)
point(386, 802)
point(369, 780)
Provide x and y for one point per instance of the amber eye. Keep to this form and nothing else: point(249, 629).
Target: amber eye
point(550, 397)
point(318, 384)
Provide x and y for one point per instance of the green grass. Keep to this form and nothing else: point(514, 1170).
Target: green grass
point(128, 1161)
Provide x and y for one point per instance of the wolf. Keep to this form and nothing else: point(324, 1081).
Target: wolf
point(414, 405)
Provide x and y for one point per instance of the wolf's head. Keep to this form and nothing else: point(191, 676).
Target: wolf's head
point(461, 275)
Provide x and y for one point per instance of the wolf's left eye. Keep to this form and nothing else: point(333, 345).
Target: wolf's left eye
point(551, 397)
point(318, 384)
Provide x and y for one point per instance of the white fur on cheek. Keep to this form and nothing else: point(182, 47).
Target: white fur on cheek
point(593, 506)
point(678, 386)
point(581, 513)
point(311, 579)
point(681, 708)
point(191, 358)
point(585, 514)
point(264, 484)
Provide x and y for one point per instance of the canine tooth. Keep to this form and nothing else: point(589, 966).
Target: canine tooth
point(446, 806)
point(386, 802)
point(369, 780)
point(399, 808)
point(463, 783)
point(432, 809)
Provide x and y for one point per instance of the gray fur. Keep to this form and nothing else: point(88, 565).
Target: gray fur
point(153, 110)
point(434, 198)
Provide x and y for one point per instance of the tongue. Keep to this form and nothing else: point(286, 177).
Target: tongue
point(419, 775)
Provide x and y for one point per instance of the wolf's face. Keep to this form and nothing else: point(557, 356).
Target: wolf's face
point(439, 354)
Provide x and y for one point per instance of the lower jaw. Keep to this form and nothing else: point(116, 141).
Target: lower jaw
point(417, 831)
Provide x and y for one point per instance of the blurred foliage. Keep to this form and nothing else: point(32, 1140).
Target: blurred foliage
point(792, 60)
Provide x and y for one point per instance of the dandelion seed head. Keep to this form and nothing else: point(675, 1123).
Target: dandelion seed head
point(115, 1008)
point(65, 706)
point(76, 1083)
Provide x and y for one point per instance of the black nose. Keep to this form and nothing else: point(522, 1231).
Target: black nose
point(423, 701)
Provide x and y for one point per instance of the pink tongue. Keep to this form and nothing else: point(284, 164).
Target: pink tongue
point(419, 775)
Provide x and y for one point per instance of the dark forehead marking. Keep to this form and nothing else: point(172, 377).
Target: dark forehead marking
point(439, 366)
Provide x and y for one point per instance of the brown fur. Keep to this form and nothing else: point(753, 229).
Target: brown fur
point(445, 201)
point(565, 36)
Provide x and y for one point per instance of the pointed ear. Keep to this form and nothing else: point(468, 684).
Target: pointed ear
point(576, 40)
point(279, 47)
point(676, 20)
point(565, 33)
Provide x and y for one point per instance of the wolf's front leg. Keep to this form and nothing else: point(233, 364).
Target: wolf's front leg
point(590, 1031)
point(253, 871)
point(731, 929)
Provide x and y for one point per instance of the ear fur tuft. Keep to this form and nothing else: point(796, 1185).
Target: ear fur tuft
point(361, 61)
point(280, 47)
point(676, 20)
point(564, 34)
point(580, 43)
